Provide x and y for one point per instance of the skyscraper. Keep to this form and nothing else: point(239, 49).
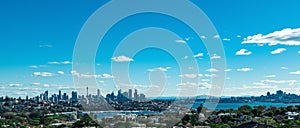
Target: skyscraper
point(74, 96)
point(136, 96)
point(130, 94)
point(59, 95)
point(98, 93)
point(46, 95)
point(87, 91)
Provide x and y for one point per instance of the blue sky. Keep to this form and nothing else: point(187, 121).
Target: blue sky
point(261, 40)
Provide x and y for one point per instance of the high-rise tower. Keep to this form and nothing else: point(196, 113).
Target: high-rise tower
point(87, 91)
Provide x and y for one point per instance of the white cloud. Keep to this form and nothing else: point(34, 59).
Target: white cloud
point(215, 56)
point(194, 84)
point(203, 37)
point(46, 46)
point(187, 84)
point(216, 36)
point(270, 76)
point(60, 72)
point(226, 39)
point(295, 73)
point(210, 75)
point(106, 76)
point(286, 36)
point(42, 74)
point(244, 69)
point(14, 85)
point(205, 80)
point(46, 85)
point(185, 57)
point(277, 51)
point(198, 55)
point(190, 75)
point(243, 52)
point(290, 82)
point(37, 66)
point(63, 62)
point(66, 62)
point(238, 36)
point(212, 70)
point(33, 66)
point(35, 84)
point(258, 86)
point(188, 38)
point(159, 69)
point(259, 83)
point(75, 73)
point(180, 41)
point(284, 68)
point(227, 70)
point(81, 75)
point(122, 59)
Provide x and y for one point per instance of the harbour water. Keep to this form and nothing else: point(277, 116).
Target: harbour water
point(235, 106)
point(220, 106)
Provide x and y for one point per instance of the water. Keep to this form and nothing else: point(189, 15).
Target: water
point(105, 114)
point(220, 106)
point(235, 106)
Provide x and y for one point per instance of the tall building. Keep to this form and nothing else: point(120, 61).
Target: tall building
point(136, 96)
point(142, 96)
point(46, 95)
point(130, 94)
point(65, 97)
point(87, 91)
point(279, 93)
point(74, 96)
point(59, 95)
point(125, 94)
point(98, 92)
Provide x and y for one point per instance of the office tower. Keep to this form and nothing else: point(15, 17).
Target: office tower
point(136, 96)
point(142, 96)
point(98, 92)
point(125, 94)
point(59, 95)
point(41, 97)
point(279, 93)
point(65, 97)
point(55, 98)
point(120, 92)
point(46, 95)
point(87, 91)
point(74, 96)
point(130, 94)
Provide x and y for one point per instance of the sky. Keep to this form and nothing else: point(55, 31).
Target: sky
point(261, 41)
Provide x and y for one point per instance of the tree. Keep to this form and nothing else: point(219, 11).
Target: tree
point(246, 109)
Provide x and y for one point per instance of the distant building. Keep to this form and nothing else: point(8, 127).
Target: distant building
point(74, 96)
point(142, 96)
point(65, 97)
point(136, 96)
point(98, 92)
point(125, 94)
point(279, 93)
point(46, 96)
point(130, 94)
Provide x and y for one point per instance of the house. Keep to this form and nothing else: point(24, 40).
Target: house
point(254, 125)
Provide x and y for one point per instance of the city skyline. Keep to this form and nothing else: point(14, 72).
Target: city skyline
point(261, 45)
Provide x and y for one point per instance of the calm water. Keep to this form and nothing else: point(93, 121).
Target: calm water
point(237, 105)
point(101, 115)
